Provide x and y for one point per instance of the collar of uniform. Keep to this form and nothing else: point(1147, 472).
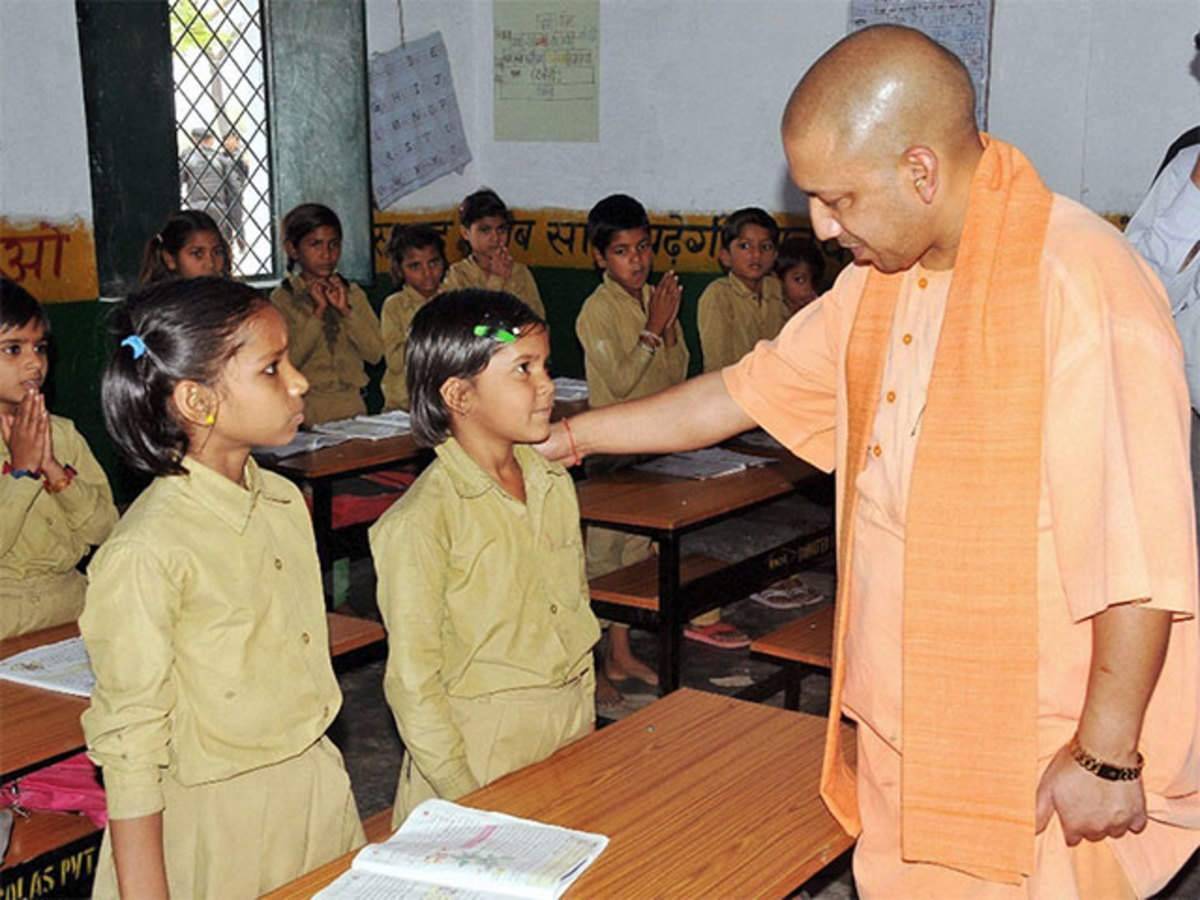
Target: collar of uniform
point(473, 268)
point(470, 480)
point(229, 502)
point(299, 287)
point(612, 286)
point(743, 290)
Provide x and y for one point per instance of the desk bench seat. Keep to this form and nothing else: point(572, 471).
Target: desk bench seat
point(799, 646)
point(637, 585)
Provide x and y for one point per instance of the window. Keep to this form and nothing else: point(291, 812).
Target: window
point(221, 124)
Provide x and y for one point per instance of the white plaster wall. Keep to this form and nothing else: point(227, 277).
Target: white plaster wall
point(43, 138)
point(691, 92)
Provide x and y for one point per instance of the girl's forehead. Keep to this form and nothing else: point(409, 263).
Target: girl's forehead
point(31, 332)
point(490, 222)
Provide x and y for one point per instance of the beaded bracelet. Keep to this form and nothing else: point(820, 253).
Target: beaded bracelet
point(576, 459)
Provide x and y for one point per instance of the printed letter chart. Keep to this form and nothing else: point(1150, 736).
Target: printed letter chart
point(416, 127)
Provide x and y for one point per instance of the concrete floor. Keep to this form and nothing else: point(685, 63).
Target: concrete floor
point(367, 736)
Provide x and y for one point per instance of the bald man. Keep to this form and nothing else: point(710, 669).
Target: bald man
point(998, 385)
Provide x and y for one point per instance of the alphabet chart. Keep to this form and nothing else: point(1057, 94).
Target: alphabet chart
point(416, 126)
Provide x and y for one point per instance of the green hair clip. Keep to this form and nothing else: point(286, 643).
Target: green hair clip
point(500, 335)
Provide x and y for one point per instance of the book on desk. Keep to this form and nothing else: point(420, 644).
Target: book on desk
point(449, 850)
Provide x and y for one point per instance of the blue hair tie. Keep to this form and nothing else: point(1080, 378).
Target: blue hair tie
point(136, 345)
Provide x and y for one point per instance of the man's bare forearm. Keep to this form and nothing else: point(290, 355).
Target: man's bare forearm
point(694, 414)
point(1129, 644)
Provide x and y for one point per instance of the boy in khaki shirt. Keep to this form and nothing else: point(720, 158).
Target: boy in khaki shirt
point(55, 497)
point(332, 330)
point(418, 264)
point(746, 306)
point(633, 346)
point(481, 568)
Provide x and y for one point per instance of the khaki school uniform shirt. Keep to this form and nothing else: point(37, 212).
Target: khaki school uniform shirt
point(732, 319)
point(205, 624)
point(619, 367)
point(466, 274)
point(47, 534)
point(396, 320)
point(330, 351)
point(480, 594)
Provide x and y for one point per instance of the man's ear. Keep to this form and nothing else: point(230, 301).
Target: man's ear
point(196, 403)
point(459, 395)
point(922, 168)
point(724, 258)
point(599, 258)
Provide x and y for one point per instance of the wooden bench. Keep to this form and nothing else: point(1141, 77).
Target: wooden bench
point(800, 647)
point(636, 586)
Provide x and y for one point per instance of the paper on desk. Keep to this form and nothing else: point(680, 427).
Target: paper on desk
point(303, 442)
point(444, 849)
point(759, 438)
point(712, 462)
point(371, 428)
point(62, 667)
point(567, 389)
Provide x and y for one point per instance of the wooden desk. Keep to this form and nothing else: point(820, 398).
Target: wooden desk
point(38, 727)
point(701, 796)
point(665, 509)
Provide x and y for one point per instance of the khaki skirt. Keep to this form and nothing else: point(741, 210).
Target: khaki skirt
point(507, 731)
point(246, 835)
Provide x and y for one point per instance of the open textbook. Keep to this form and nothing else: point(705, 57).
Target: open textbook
point(444, 850)
point(62, 666)
point(712, 462)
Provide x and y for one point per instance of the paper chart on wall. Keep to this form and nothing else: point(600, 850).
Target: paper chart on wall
point(416, 127)
point(546, 59)
point(964, 26)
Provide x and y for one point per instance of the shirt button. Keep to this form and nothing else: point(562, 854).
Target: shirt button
point(907, 339)
point(304, 637)
point(922, 282)
point(278, 563)
point(891, 396)
point(325, 710)
point(878, 450)
point(554, 609)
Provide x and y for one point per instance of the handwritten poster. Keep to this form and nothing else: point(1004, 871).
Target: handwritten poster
point(963, 26)
point(416, 127)
point(547, 70)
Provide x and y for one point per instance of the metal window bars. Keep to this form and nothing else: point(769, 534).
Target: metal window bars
point(222, 127)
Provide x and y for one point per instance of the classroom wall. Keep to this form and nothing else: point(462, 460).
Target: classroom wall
point(45, 189)
point(1092, 90)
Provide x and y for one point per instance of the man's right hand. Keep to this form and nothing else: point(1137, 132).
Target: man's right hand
point(557, 447)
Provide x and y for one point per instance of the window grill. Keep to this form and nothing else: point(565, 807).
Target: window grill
point(222, 126)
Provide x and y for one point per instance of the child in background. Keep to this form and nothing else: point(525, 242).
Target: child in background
point(746, 306)
point(800, 268)
point(418, 263)
point(189, 245)
point(480, 564)
point(55, 498)
point(205, 617)
point(484, 223)
point(332, 330)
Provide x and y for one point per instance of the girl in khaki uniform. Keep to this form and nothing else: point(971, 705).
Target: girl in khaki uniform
point(332, 330)
point(205, 620)
point(480, 563)
point(485, 224)
point(56, 500)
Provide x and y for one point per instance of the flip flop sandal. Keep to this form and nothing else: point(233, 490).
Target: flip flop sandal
point(721, 635)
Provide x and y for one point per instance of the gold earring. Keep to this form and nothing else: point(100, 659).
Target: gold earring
point(920, 182)
point(210, 419)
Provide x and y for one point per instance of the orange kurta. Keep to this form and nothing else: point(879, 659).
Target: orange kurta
point(1114, 525)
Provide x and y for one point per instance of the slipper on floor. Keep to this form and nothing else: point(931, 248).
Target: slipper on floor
point(795, 597)
point(633, 685)
point(721, 635)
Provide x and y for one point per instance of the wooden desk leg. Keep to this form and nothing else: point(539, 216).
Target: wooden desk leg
point(322, 514)
point(670, 616)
